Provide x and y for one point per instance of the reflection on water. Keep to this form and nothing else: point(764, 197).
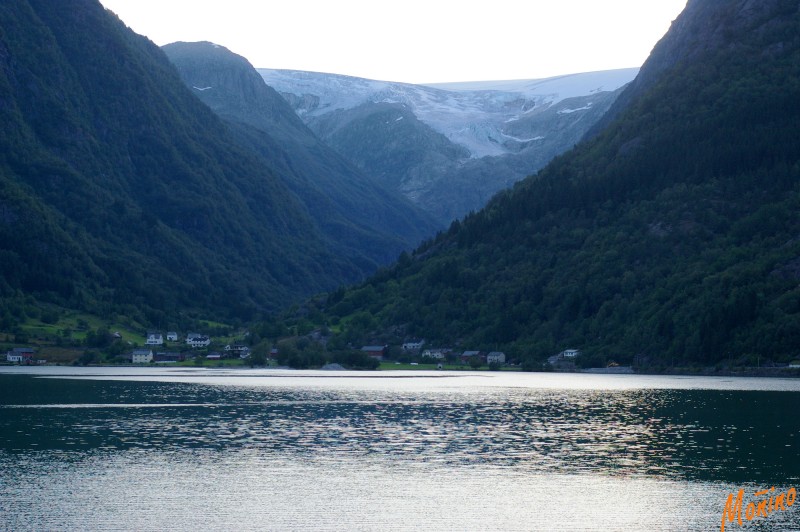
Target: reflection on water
point(402, 453)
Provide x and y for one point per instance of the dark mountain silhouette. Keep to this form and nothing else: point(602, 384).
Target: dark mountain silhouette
point(670, 237)
point(122, 193)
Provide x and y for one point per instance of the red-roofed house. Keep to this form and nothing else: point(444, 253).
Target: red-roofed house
point(375, 351)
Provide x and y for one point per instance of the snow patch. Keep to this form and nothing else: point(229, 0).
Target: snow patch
point(568, 86)
point(471, 114)
point(539, 137)
point(570, 111)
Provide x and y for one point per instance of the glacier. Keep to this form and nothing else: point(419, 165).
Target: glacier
point(475, 115)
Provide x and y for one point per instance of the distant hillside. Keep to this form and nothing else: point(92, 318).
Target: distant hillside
point(122, 193)
point(672, 237)
point(360, 218)
point(449, 147)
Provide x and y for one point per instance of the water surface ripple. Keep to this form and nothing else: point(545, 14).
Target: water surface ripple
point(401, 453)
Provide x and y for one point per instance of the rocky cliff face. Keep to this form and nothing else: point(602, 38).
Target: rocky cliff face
point(229, 84)
point(710, 26)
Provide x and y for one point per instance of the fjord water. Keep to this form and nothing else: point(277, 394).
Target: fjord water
point(181, 449)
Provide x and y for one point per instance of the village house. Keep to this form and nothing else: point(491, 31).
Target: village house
point(154, 338)
point(437, 354)
point(172, 336)
point(414, 345)
point(496, 357)
point(141, 356)
point(565, 360)
point(375, 351)
point(214, 356)
point(197, 340)
point(168, 358)
point(466, 356)
point(240, 350)
point(21, 355)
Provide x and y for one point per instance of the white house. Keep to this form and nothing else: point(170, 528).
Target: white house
point(238, 349)
point(172, 336)
point(570, 353)
point(141, 356)
point(154, 338)
point(437, 354)
point(21, 355)
point(413, 346)
point(198, 340)
point(496, 357)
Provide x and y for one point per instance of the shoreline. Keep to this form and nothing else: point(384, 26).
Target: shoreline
point(782, 372)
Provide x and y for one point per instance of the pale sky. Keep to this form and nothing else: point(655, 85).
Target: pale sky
point(415, 41)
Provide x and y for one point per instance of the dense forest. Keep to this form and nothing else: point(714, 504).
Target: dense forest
point(121, 193)
point(360, 218)
point(671, 237)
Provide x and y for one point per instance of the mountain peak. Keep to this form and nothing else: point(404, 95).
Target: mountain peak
point(460, 143)
point(360, 217)
point(668, 240)
point(708, 27)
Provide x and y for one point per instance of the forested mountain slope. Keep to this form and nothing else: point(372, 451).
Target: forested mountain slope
point(120, 192)
point(360, 218)
point(671, 237)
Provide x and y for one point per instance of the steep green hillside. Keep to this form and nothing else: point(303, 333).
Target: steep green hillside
point(120, 192)
point(387, 140)
point(361, 219)
point(672, 237)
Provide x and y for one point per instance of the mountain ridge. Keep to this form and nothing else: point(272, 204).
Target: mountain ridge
point(668, 239)
point(122, 193)
point(461, 145)
point(446, 107)
point(359, 217)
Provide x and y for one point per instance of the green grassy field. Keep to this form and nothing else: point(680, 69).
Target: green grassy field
point(75, 326)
